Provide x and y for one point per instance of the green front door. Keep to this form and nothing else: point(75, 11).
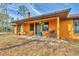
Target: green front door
point(19, 27)
point(38, 31)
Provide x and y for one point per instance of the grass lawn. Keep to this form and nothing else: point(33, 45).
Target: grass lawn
point(11, 45)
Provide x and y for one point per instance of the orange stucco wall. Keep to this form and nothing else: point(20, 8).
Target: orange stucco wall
point(53, 24)
point(26, 27)
point(65, 28)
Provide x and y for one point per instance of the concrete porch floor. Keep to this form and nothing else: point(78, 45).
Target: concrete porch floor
point(37, 37)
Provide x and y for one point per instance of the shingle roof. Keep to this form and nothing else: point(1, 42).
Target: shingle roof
point(62, 14)
point(73, 16)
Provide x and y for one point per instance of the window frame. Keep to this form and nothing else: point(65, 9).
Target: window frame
point(76, 25)
point(45, 24)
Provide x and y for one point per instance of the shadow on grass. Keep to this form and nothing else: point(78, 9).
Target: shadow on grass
point(16, 45)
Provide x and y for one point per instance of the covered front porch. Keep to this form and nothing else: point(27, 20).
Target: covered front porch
point(50, 28)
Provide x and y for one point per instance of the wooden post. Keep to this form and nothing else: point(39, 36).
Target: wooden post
point(34, 28)
point(58, 24)
point(15, 29)
point(22, 29)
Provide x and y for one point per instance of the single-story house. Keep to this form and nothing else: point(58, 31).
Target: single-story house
point(63, 24)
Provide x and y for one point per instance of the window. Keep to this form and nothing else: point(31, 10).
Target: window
point(19, 27)
point(76, 25)
point(45, 27)
point(31, 27)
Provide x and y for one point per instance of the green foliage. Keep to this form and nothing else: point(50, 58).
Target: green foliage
point(41, 22)
point(3, 16)
point(22, 10)
point(5, 25)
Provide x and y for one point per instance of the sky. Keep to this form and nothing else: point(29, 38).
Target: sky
point(37, 9)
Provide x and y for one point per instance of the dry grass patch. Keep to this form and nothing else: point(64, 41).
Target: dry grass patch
point(36, 48)
point(10, 40)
